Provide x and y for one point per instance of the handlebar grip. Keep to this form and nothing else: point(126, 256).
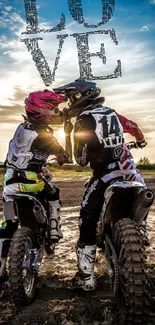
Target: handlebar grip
point(131, 145)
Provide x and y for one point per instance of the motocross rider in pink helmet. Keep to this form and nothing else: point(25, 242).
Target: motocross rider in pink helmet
point(28, 151)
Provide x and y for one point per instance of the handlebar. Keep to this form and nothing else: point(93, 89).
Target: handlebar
point(131, 145)
point(50, 162)
point(2, 165)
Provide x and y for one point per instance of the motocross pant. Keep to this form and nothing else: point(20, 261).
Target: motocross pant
point(86, 245)
point(90, 210)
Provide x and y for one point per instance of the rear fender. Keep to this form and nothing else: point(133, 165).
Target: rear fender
point(27, 209)
point(120, 197)
point(24, 210)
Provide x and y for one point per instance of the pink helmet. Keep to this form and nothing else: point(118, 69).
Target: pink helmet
point(41, 105)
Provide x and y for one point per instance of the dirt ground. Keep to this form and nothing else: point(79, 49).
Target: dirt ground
point(56, 303)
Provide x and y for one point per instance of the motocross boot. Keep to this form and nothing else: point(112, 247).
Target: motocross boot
point(49, 249)
point(54, 221)
point(85, 277)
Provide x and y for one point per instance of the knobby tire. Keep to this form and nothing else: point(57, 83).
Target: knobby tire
point(133, 301)
point(16, 256)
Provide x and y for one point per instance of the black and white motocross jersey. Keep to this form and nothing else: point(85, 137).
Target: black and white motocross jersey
point(98, 137)
point(30, 147)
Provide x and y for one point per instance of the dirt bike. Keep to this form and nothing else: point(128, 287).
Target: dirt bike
point(27, 245)
point(121, 235)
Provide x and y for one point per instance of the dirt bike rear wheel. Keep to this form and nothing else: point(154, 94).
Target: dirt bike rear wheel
point(22, 281)
point(132, 296)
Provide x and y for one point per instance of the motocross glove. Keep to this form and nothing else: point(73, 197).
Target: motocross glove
point(141, 144)
point(62, 157)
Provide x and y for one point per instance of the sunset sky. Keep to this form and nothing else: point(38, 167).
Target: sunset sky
point(132, 95)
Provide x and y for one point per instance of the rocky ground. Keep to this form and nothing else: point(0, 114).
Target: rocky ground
point(56, 303)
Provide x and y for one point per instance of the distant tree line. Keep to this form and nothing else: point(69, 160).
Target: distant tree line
point(144, 163)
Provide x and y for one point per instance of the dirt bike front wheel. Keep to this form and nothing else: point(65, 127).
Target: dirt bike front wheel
point(22, 277)
point(133, 300)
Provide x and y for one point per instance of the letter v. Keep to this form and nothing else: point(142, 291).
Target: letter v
point(32, 45)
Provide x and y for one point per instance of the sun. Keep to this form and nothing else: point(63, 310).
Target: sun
point(61, 133)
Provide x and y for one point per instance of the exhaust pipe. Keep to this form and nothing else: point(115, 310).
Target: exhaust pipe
point(39, 214)
point(142, 205)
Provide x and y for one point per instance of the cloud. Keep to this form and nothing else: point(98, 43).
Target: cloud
point(152, 1)
point(144, 28)
point(18, 96)
point(10, 18)
point(131, 95)
point(11, 113)
point(8, 8)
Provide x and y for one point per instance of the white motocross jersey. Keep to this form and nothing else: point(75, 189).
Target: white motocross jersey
point(109, 130)
point(19, 153)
